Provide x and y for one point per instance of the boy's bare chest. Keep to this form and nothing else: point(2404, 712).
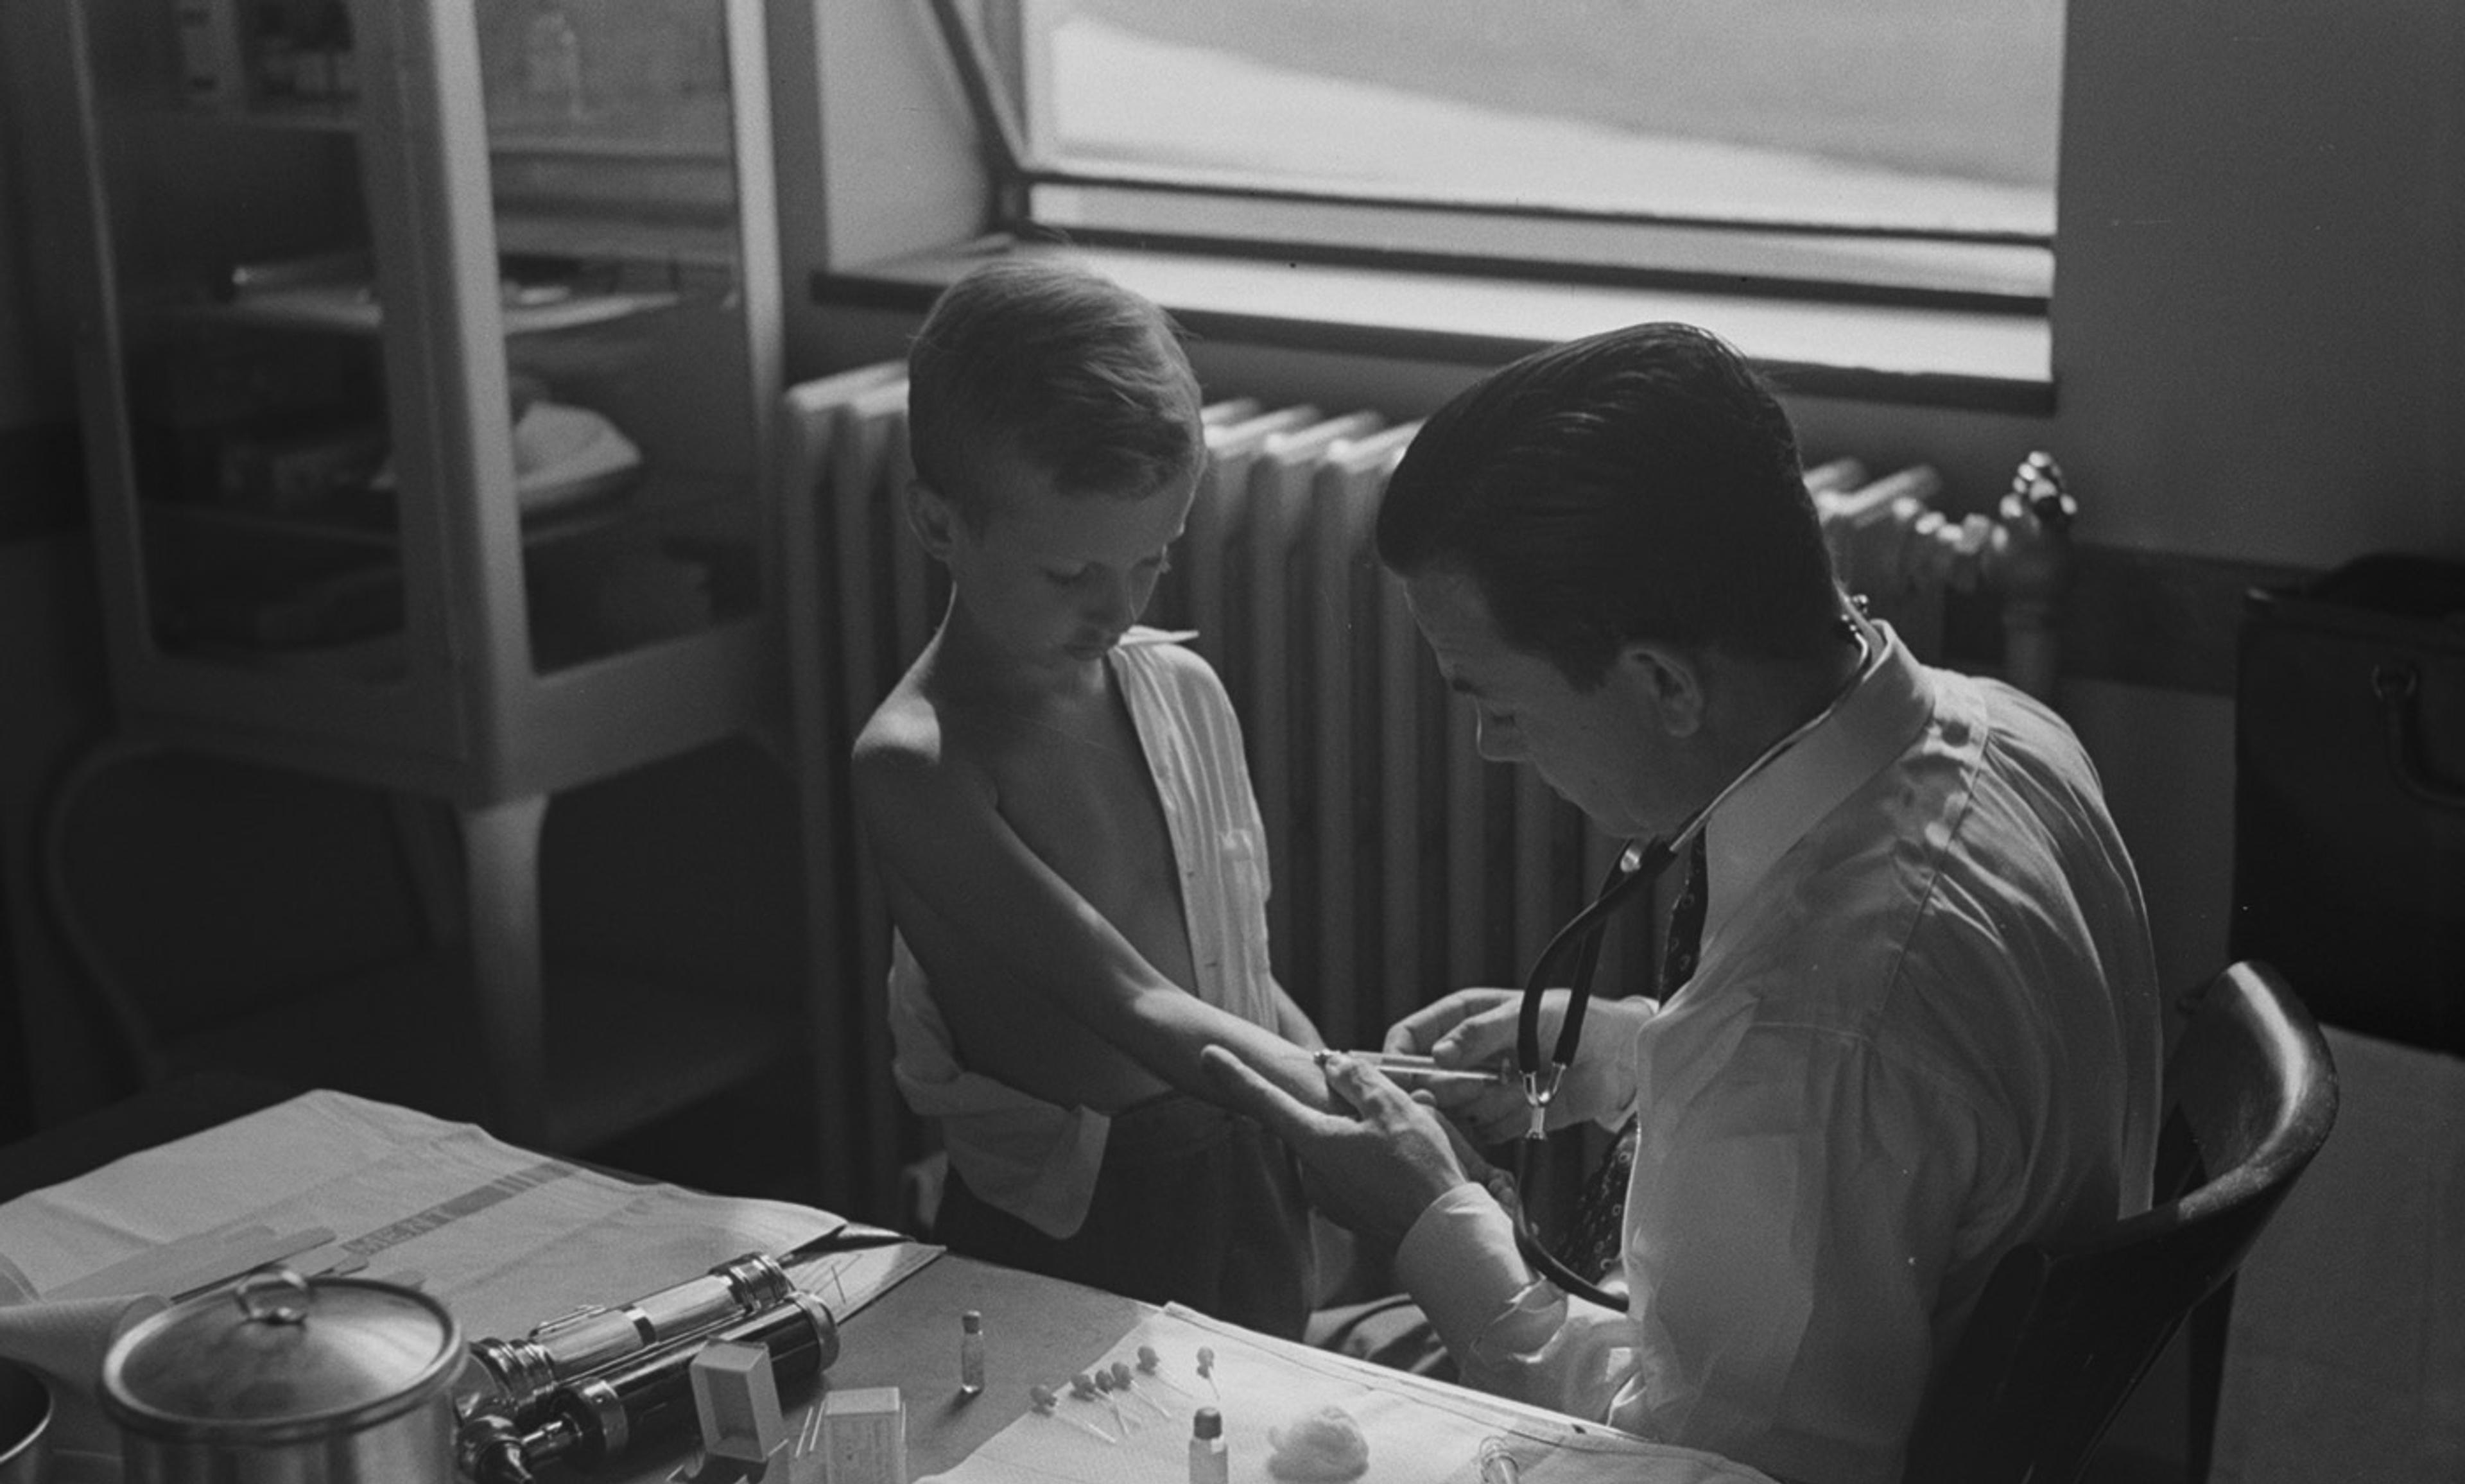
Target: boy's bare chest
point(1083, 798)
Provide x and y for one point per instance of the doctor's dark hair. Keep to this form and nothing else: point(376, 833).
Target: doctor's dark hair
point(1641, 484)
point(1039, 359)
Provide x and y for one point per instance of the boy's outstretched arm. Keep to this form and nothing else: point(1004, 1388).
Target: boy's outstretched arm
point(933, 826)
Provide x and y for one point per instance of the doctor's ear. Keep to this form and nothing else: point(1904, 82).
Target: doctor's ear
point(1668, 682)
point(932, 517)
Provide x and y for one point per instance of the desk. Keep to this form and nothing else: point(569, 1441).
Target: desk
point(508, 1238)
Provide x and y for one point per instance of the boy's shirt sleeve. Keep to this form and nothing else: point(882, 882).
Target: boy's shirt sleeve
point(1035, 1159)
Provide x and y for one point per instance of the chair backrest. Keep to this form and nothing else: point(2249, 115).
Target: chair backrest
point(2065, 1330)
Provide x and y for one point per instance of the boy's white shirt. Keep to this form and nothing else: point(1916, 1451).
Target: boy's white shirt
point(1034, 1159)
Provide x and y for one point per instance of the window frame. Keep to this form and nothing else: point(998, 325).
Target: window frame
point(991, 91)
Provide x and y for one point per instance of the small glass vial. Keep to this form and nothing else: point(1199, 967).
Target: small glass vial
point(971, 1353)
point(1208, 1463)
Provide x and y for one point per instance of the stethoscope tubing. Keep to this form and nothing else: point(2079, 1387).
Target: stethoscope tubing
point(1639, 866)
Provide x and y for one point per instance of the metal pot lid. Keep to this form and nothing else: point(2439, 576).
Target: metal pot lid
point(281, 1358)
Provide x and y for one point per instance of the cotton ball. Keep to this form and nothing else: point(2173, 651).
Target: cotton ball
point(1326, 1447)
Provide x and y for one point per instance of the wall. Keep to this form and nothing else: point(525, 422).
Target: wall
point(2256, 315)
point(2258, 348)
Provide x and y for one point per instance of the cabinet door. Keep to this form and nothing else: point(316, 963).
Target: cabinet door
point(428, 376)
point(630, 183)
point(235, 379)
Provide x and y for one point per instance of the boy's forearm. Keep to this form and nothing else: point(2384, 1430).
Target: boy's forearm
point(1177, 1029)
point(1286, 1064)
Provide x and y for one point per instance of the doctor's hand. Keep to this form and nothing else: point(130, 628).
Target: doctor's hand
point(1373, 1169)
point(1476, 1027)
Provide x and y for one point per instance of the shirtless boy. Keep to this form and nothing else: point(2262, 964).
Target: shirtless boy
point(1060, 808)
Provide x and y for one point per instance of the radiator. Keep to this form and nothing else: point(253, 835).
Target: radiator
point(1402, 865)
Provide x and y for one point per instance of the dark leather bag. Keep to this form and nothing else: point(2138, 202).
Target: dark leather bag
point(2349, 796)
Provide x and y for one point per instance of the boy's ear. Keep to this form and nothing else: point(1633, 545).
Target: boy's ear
point(933, 518)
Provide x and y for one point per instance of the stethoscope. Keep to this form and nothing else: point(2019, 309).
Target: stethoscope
point(1639, 865)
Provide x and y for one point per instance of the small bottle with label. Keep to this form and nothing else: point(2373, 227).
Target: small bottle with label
point(1208, 1462)
point(971, 1353)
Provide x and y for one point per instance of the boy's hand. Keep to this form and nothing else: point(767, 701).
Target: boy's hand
point(1377, 1166)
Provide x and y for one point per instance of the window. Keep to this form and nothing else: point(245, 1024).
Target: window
point(1850, 149)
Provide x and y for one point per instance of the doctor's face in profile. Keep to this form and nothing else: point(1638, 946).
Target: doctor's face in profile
point(1600, 749)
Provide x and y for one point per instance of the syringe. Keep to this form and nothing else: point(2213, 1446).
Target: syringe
point(599, 1336)
point(592, 1339)
point(645, 1397)
point(1407, 1067)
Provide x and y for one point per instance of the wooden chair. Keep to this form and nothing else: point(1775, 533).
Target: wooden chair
point(2065, 1330)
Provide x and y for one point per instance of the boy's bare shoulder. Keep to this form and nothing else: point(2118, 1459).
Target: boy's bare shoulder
point(909, 743)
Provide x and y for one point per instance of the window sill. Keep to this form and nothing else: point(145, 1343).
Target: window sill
point(1899, 354)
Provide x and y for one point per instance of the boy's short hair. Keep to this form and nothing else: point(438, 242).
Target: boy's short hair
point(1641, 484)
point(1035, 356)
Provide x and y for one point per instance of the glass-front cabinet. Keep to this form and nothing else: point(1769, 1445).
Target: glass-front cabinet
point(431, 349)
point(427, 352)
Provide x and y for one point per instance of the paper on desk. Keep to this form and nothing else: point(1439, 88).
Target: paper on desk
point(176, 1268)
point(507, 1238)
point(1418, 1430)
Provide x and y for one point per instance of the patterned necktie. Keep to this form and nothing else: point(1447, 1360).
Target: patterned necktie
point(1595, 1244)
point(1684, 942)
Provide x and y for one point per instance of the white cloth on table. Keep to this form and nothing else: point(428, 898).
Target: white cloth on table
point(1034, 1159)
point(1923, 1027)
point(2345, 1356)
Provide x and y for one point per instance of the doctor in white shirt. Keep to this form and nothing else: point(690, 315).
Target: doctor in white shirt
point(1922, 1025)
